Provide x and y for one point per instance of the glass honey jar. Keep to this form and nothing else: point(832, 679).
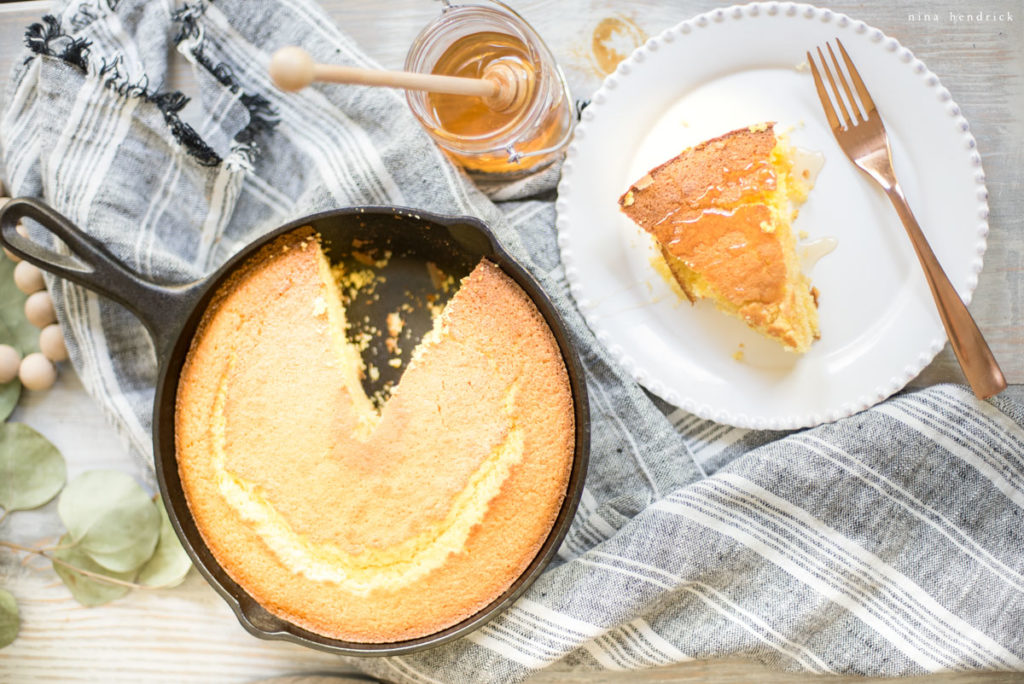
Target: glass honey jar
point(470, 40)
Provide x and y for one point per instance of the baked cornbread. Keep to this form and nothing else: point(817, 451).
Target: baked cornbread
point(721, 214)
point(356, 524)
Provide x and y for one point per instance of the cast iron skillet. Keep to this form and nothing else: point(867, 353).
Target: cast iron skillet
point(171, 314)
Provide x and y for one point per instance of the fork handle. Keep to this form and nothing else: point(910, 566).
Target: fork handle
point(976, 359)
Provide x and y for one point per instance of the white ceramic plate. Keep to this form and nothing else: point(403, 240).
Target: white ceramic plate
point(879, 327)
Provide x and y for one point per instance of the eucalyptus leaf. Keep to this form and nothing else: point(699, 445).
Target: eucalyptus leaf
point(9, 394)
point(110, 518)
point(16, 330)
point(9, 620)
point(170, 563)
point(32, 471)
point(88, 591)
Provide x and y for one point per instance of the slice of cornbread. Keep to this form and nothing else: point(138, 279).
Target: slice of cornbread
point(721, 213)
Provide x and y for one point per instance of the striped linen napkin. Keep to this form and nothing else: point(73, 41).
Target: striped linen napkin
point(888, 543)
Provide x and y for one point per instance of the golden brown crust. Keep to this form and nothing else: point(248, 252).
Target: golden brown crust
point(487, 397)
point(703, 176)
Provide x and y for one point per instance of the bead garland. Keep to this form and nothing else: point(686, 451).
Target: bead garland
point(38, 370)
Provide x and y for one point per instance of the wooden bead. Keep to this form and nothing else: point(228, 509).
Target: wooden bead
point(39, 309)
point(37, 372)
point(28, 278)
point(21, 231)
point(10, 359)
point(51, 343)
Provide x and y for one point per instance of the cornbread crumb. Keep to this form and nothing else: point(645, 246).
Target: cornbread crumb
point(439, 279)
point(368, 260)
point(362, 340)
point(803, 234)
point(395, 324)
point(395, 363)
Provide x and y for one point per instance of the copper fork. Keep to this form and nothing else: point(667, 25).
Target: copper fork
point(862, 137)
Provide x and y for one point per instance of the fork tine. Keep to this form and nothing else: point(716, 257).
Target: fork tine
point(835, 89)
point(865, 98)
point(854, 109)
point(826, 103)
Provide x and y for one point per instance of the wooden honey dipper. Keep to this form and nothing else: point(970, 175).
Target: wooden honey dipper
point(504, 87)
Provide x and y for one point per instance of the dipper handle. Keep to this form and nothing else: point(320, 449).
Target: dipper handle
point(292, 69)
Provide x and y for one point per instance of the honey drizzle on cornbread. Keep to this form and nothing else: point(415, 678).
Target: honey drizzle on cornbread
point(721, 213)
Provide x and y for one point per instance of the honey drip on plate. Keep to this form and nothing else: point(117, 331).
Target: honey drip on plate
point(468, 118)
point(807, 164)
point(813, 250)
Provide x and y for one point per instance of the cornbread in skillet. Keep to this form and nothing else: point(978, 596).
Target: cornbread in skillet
point(721, 213)
point(358, 525)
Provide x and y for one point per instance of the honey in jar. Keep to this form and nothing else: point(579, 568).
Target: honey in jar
point(473, 41)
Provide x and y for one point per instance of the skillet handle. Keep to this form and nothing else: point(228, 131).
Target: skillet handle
point(162, 309)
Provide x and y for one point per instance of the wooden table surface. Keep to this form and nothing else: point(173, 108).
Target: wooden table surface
point(189, 634)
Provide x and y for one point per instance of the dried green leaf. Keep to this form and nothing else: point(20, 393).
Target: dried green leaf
point(16, 330)
point(170, 563)
point(111, 519)
point(9, 394)
point(31, 469)
point(89, 591)
point(9, 620)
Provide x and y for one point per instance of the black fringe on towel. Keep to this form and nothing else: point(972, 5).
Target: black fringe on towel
point(47, 38)
point(188, 21)
point(76, 53)
point(86, 14)
point(83, 17)
point(262, 116)
point(170, 103)
point(38, 36)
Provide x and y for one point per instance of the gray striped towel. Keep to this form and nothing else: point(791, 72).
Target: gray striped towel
point(888, 543)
